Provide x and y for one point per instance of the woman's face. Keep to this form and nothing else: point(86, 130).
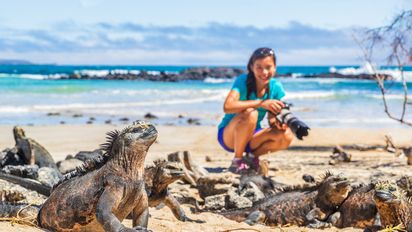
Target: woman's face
point(264, 69)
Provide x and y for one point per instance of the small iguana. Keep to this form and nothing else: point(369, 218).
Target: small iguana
point(303, 207)
point(31, 151)
point(157, 180)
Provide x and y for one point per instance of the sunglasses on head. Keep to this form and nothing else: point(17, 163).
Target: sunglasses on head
point(264, 52)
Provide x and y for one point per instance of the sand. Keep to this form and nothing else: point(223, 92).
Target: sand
point(287, 166)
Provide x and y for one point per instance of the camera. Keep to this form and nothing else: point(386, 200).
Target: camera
point(298, 127)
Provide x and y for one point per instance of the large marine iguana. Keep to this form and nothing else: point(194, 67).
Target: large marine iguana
point(101, 198)
point(157, 178)
point(393, 206)
point(303, 207)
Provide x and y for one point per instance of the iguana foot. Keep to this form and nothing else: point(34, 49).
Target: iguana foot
point(255, 217)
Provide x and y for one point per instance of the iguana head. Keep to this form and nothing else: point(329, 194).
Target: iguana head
point(161, 174)
point(126, 149)
point(387, 193)
point(139, 133)
point(129, 146)
point(169, 172)
point(18, 133)
point(138, 136)
point(333, 189)
point(392, 204)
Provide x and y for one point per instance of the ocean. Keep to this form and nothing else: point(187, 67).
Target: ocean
point(31, 95)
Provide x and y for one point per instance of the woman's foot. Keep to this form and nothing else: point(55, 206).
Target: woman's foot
point(252, 161)
point(238, 166)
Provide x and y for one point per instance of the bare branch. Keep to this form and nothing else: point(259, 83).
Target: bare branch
point(395, 40)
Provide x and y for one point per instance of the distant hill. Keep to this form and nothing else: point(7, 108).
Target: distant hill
point(14, 62)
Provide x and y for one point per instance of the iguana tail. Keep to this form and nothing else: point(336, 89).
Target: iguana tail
point(27, 183)
point(18, 211)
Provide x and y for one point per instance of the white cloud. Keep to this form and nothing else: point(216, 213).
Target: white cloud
point(215, 43)
point(133, 57)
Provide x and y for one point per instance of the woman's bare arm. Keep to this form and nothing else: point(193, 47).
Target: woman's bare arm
point(232, 104)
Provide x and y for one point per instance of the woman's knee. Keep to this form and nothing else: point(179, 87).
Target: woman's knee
point(286, 139)
point(249, 115)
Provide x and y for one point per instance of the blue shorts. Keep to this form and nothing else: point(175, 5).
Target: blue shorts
point(222, 143)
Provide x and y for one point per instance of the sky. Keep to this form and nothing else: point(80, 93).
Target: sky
point(183, 32)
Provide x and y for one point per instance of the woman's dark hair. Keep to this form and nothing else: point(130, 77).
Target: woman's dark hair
point(257, 54)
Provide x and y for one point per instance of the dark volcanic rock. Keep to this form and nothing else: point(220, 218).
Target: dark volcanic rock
point(9, 156)
point(150, 116)
point(198, 73)
point(25, 171)
point(203, 72)
point(124, 119)
point(53, 114)
point(193, 121)
point(48, 176)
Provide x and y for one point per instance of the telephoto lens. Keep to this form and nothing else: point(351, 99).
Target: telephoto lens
point(299, 128)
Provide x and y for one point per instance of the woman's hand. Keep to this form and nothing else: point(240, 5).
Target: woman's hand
point(273, 122)
point(274, 106)
point(280, 126)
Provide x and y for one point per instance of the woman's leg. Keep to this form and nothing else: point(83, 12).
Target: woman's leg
point(240, 130)
point(270, 140)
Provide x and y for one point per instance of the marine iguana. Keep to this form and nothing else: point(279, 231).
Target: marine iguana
point(304, 207)
point(101, 198)
point(393, 206)
point(31, 151)
point(358, 210)
point(157, 180)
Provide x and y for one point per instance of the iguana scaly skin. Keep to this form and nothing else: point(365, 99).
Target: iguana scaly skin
point(157, 180)
point(358, 210)
point(393, 206)
point(100, 199)
point(305, 207)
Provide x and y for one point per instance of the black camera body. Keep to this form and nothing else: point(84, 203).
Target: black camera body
point(298, 127)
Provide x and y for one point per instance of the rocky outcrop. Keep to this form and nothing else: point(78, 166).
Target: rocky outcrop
point(201, 73)
point(198, 73)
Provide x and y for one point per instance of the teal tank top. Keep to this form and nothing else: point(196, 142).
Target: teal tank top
point(276, 91)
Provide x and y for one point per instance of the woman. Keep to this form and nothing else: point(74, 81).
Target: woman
point(251, 96)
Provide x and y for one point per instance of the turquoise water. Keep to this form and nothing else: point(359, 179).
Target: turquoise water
point(27, 96)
